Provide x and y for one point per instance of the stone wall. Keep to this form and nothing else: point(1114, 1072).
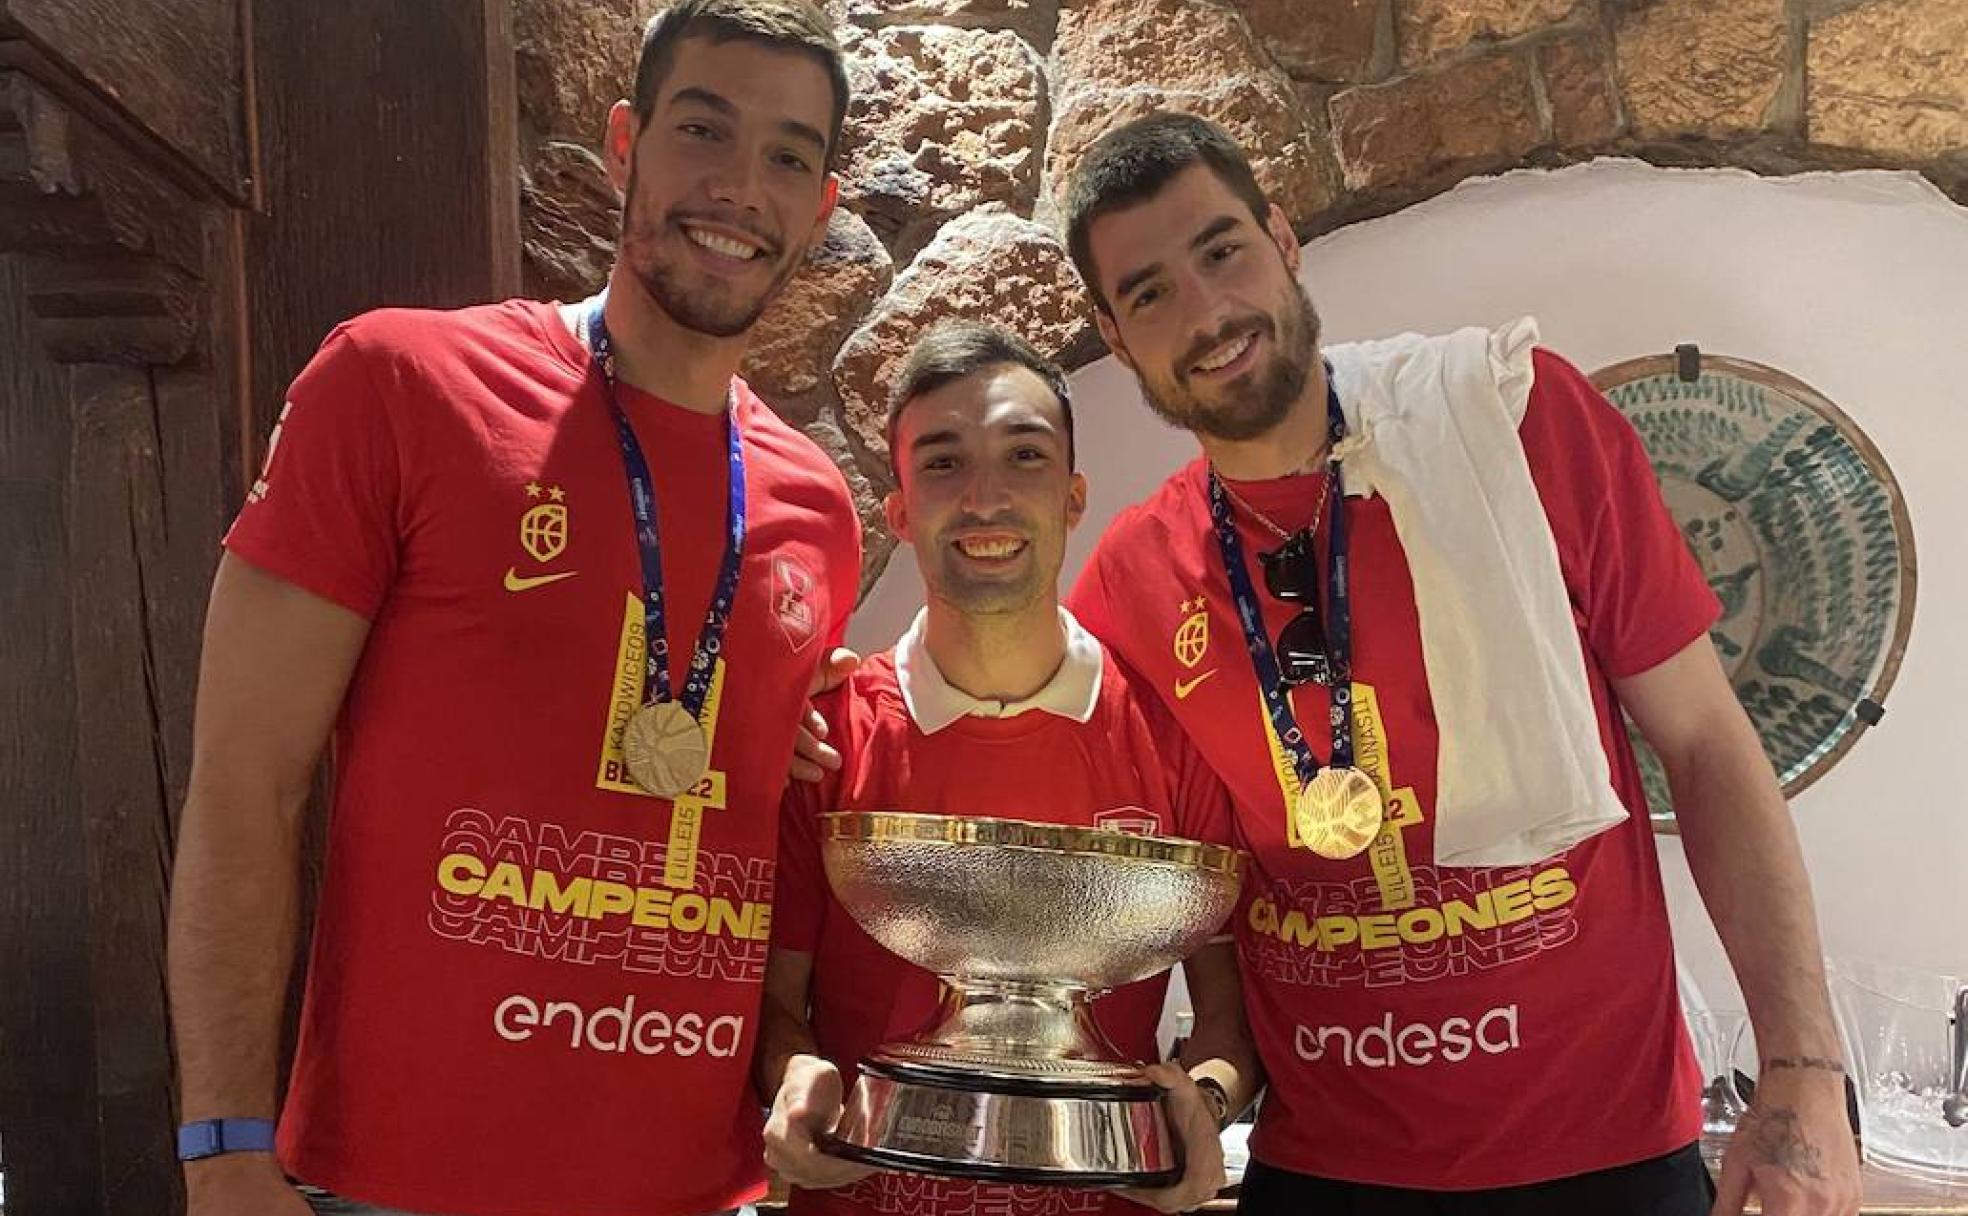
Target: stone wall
point(969, 115)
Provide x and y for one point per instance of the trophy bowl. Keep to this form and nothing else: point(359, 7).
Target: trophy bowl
point(1025, 923)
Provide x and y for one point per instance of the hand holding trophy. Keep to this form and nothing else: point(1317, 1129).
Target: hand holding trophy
point(1026, 923)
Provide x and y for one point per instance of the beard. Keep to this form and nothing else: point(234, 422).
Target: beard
point(1259, 400)
point(696, 302)
point(974, 594)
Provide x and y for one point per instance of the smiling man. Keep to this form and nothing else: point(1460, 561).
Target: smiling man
point(994, 703)
point(1449, 579)
point(542, 928)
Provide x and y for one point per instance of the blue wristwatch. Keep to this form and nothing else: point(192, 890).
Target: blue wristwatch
point(210, 1137)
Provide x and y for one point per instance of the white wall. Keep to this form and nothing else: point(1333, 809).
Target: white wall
point(1855, 283)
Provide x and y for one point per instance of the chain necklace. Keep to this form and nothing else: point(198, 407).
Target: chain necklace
point(1271, 525)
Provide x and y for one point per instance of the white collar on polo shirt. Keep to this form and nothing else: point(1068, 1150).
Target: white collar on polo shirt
point(935, 703)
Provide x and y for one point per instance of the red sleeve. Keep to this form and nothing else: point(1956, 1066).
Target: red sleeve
point(323, 514)
point(1200, 800)
point(847, 584)
point(1088, 600)
point(1637, 589)
point(799, 890)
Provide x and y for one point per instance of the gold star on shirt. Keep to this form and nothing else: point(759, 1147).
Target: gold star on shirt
point(532, 489)
point(556, 494)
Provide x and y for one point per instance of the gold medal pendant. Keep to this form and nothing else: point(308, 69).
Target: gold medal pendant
point(1339, 813)
point(665, 749)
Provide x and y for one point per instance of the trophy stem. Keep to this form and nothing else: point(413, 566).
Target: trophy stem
point(982, 1021)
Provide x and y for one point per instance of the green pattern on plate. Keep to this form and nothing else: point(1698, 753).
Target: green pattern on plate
point(1796, 528)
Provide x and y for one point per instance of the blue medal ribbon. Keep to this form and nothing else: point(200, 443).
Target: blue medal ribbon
point(642, 498)
point(1339, 616)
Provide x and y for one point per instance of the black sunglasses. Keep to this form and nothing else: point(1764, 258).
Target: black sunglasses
point(1291, 573)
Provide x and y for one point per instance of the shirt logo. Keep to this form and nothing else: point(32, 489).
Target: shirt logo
point(1184, 687)
point(1133, 820)
point(543, 535)
point(543, 529)
point(1192, 639)
point(1382, 1044)
point(260, 487)
point(515, 581)
point(792, 606)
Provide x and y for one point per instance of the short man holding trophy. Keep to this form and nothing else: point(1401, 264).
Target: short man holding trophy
point(997, 706)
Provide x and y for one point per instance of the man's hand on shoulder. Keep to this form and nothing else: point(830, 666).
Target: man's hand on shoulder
point(813, 759)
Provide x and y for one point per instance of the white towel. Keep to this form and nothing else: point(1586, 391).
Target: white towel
point(1432, 428)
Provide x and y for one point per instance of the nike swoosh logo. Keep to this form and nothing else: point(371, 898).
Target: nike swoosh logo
point(1184, 687)
point(515, 582)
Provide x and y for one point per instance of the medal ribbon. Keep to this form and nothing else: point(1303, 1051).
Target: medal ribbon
point(1339, 616)
point(642, 498)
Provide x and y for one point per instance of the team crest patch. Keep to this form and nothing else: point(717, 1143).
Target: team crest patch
point(792, 602)
point(1132, 820)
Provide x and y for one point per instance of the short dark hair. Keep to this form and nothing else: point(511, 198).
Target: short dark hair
point(1131, 164)
point(952, 350)
point(787, 25)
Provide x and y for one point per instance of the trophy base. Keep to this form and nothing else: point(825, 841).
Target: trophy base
point(967, 1123)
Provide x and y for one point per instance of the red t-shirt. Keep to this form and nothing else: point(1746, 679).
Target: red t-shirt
point(1128, 767)
point(1425, 1027)
point(519, 1001)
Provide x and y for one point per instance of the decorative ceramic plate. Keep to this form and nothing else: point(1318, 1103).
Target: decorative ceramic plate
point(1803, 534)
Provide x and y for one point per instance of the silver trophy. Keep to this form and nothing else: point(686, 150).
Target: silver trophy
point(1026, 923)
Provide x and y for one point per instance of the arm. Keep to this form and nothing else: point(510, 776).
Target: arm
point(1795, 1145)
point(276, 663)
point(784, 1034)
point(813, 756)
point(1219, 1046)
point(803, 1089)
point(1218, 1049)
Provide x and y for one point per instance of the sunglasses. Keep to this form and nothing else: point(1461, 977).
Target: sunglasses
point(1291, 573)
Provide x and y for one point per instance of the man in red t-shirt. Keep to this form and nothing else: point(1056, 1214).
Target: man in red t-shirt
point(536, 964)
point(1511, 1034)
point(994, 703)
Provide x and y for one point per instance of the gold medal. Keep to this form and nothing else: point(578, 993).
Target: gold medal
point(665, 749)
point(1339, 813)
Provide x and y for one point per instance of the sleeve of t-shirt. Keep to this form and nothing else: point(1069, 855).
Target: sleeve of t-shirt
point(323, 514)
point(1203, 810)
point(799, 888)
point(1089, 602)
point(1637, 588)
point(847, 584)
point(1199, 797)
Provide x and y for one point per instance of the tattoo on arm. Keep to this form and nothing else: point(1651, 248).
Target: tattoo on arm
point(1823, 1063)
point(1779, 1140)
